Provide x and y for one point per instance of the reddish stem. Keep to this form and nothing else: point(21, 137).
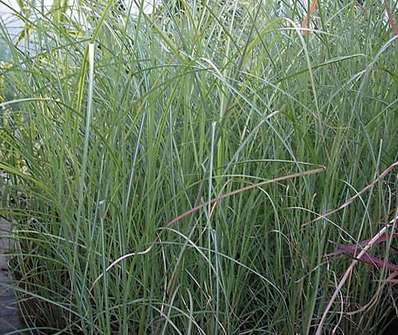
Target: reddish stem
point(311, 10)
point(391, 20)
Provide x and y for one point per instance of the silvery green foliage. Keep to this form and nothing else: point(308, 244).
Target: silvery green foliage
point(76, 10)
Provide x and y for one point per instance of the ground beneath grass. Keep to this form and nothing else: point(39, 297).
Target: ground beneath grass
point(9, 319)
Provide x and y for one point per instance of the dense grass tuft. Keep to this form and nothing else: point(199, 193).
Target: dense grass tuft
point(166, 170)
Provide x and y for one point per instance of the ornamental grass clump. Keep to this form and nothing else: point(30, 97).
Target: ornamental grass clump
point(187, 171)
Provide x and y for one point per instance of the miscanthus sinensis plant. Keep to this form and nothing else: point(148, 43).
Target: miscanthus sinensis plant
point(176, 172)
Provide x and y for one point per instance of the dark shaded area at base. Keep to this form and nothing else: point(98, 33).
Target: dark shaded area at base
point(9, 316)
point(392, 328)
